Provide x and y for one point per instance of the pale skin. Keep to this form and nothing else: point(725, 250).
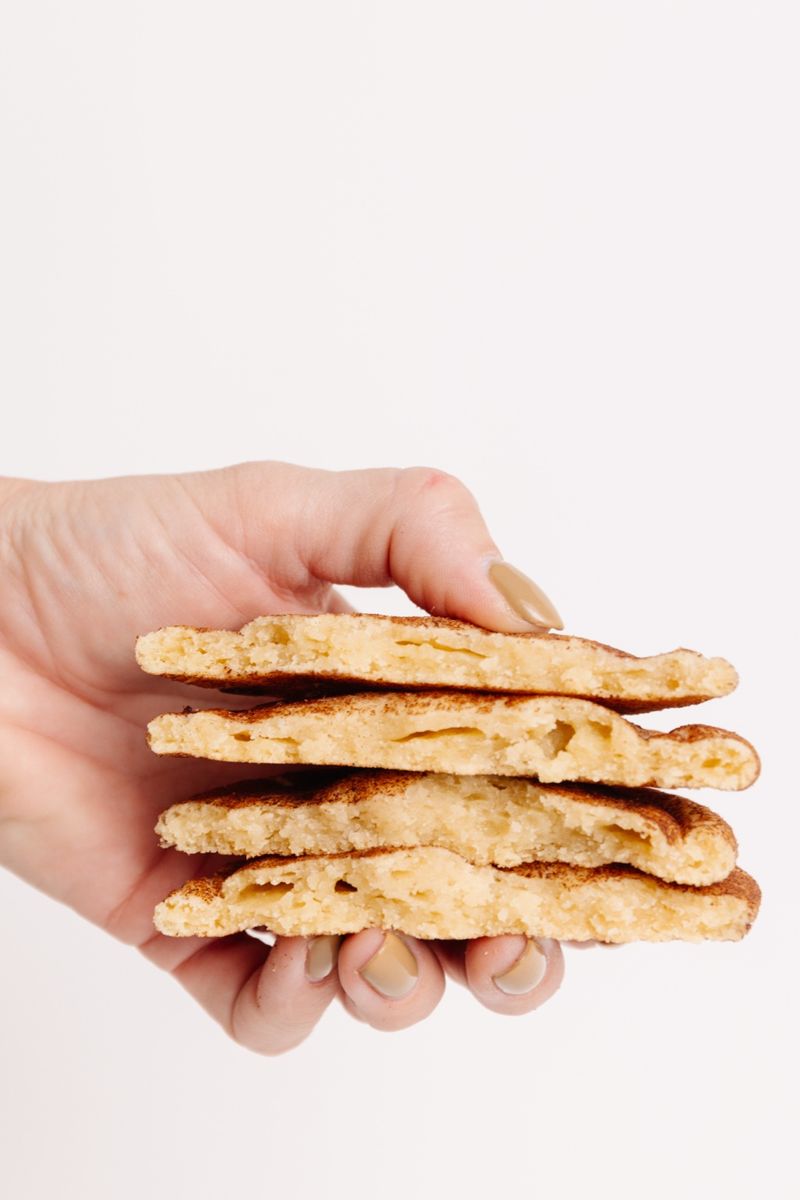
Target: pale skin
point(87, 567)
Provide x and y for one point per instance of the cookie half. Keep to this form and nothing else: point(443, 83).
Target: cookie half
point(430, 892)
point(297, 654)
point(487, 819)
point(553, 738)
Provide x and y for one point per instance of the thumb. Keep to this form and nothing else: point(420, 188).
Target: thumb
point(418, 527)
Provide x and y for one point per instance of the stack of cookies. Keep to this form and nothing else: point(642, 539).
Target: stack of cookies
point(455, 783)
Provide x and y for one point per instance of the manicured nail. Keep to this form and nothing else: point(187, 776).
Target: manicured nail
point(393, 971)
point(321, 957)
point(525, 598)
point(526, 972)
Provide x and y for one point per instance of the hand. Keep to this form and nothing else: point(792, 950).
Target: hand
point(87, 567)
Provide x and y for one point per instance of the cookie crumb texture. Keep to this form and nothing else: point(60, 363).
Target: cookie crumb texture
point(488, 820)
point(432, 893)
point(292, 654)
point(549, 737)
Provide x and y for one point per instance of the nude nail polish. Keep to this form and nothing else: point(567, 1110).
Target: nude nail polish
point(525, 974)
point(524, 597)
point(393, 970)
point(321, 957)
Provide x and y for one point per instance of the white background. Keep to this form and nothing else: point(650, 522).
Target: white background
point(552, 248)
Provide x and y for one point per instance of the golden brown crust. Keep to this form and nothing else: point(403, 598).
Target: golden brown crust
point(675, 816)
point(334, 683)
point(343, 785)
point(411, 701)
point(737, 884)
point(696, 733)
point(205, 888)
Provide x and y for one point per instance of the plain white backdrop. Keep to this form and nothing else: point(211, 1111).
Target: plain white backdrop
point(552, 248)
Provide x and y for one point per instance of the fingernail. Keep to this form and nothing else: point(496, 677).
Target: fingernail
point(526, 972)
point(393, 971)
point(525, 598)
point(321, 957)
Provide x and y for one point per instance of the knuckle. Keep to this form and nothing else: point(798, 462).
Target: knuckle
point(250, 466)
point(254, 475)
point(428, 492)
point(430, 481)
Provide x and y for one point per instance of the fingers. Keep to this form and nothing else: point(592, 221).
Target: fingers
point(513, 975)
point(267, 1000)
point(420, 528)
point(390, 981)
point(279, 1005)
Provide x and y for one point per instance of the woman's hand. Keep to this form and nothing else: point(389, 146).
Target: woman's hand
point(87, 567)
